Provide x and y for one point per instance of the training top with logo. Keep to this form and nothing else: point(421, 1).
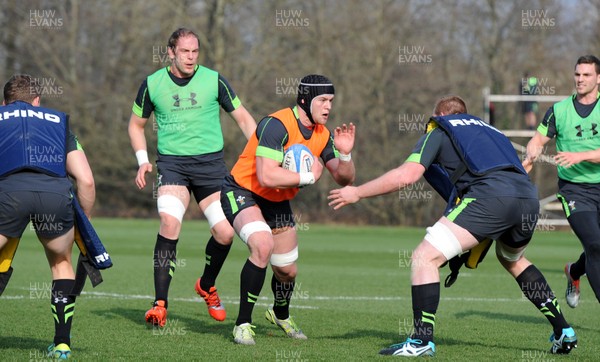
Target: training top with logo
point(576, 130)
point(26, 177)
point(436, 147)
point(186, 111)
point(273, 135)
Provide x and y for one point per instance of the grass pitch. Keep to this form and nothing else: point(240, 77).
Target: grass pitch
point(352, 298)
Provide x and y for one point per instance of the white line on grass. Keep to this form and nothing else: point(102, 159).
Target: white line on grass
point(231, 300)
point(13, 297)
point(267, 299)
point(191, 300)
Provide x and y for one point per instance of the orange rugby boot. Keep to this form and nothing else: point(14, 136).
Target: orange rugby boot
point(215, 308)
point(157, 315)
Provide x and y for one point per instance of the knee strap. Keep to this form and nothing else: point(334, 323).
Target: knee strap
point(251, 228)
point(506, 254)
point(171, 205)
point(214, 213)
point(285, 259)
point(444, 240)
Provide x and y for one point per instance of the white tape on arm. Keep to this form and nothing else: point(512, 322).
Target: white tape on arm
point(142, 157)
point(345, 158)
point(306, 178)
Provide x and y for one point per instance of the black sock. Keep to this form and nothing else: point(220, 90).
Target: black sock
point(536, 289)
point(63, 305)
point(283, 294)
point(164, 266)
point(251, 282)
point(215, 257)
point(585, 226)
point(578, 267)
point(425, 300)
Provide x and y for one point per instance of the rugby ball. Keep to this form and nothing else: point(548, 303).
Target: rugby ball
point(298, 158)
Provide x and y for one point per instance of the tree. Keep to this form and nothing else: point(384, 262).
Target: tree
point(389, 59)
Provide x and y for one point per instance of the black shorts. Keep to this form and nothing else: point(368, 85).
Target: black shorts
point(200, 178)
point(51, 214)
point(578, 197)
point(235, 198)
point(510, 220)
point(529, 107)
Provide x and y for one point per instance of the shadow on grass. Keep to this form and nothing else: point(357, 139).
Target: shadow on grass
point(25, 343)
point(535, 318)
point(33, 349)
point(507, 345)
point(361, 333)
point(201, 324)
point(132, 314)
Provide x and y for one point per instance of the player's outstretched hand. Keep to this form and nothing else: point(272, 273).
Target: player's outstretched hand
point(343, 138)
point(339, 198)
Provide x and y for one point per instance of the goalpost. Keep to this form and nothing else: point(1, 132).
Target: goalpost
point(548, 203)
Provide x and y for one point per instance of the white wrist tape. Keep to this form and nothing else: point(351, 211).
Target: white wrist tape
point(306, 178)
point(345, 158)
point(142, 157)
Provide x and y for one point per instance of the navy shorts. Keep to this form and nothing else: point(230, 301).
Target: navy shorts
point(235, 198)
point(50, 214)
point(578, 197)
point(510, 220)
point(201, 178)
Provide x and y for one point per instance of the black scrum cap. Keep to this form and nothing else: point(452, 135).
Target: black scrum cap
point(310, 87)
